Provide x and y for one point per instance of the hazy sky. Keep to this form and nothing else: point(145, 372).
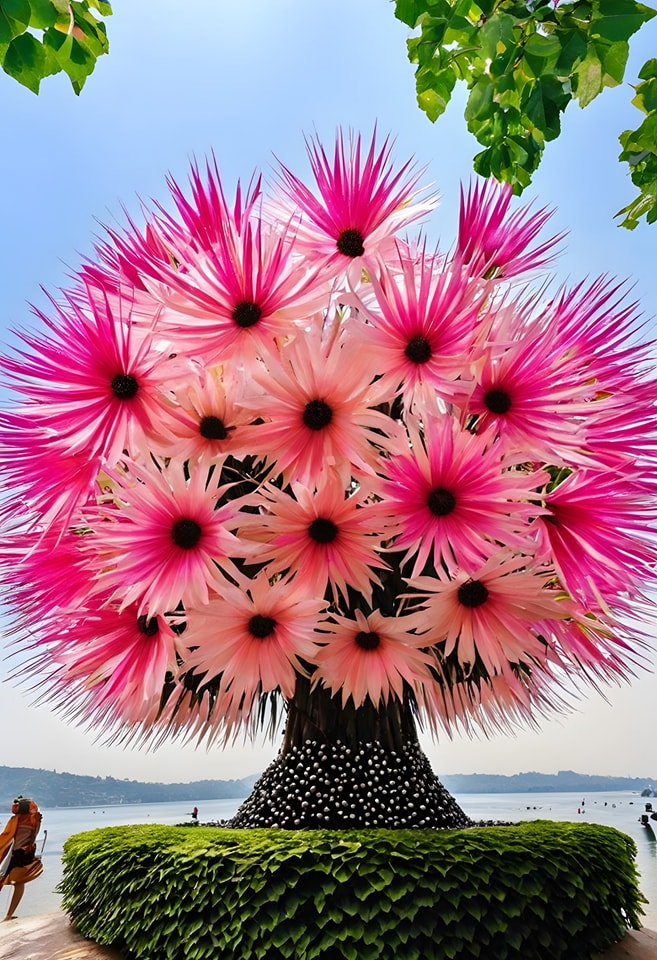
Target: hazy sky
point(247, 80)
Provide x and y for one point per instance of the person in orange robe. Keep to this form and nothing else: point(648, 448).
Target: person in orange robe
point(18, 861)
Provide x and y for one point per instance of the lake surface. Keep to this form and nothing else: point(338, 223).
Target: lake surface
point(615, 809)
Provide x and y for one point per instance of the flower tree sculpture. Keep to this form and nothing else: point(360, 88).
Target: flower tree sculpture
point(269, 450)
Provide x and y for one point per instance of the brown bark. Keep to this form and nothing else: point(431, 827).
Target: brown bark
point(313, 714)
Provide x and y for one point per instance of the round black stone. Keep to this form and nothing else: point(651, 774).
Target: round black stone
point(148, 625)
point(497, 401)
point(317, 415)
point(186, 533)
point(367, 641)
point(350, 243)
point(322, 530)
point(212, 428)
point(260, 626)
point(124, 386)
point(441, 502)
point(246, 314)
point(418, 350)
point(472, 593)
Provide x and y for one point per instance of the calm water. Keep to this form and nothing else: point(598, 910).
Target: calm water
point(621, 810)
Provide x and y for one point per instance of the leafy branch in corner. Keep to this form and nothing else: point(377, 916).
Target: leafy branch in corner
point(523, 63)
point(39, 38)
point(640, 151)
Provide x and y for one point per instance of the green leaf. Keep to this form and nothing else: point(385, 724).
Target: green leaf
point(573, 49)
point(480, 101)
point(436, 94)
point(613, 58)
point(543, 47)
point(544, 106)
point(649, 69)
point(25, 61)
point(18, 10)
point(72, 56)
point(9, 28)
point(640, 140)
point(618, 19)
point(496, 38)
point(409, 11)
point(646, 98)
point(589, 79)
point(44, 14)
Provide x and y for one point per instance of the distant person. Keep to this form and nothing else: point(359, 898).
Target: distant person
point(18, 860)
point(195, 815)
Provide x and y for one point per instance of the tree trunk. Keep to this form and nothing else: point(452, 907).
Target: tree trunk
point(346, 767)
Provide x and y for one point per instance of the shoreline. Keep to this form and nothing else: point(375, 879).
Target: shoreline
point(50, 936)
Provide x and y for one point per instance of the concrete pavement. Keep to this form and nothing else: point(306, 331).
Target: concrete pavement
point(48, 937)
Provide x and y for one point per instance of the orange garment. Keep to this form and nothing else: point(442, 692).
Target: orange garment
point(22, 829)
point(7, 836)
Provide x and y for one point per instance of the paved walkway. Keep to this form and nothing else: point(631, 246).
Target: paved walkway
point(635, 945)
point(48, 937)
point(51, 937)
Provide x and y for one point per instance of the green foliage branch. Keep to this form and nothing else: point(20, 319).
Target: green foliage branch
point(39, 38)
point(533, 891)
point(640, 150)
point(523, 63)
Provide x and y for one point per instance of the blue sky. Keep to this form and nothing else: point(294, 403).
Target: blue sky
point(247, 80)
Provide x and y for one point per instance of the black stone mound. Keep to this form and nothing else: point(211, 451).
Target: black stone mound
point(332, 786)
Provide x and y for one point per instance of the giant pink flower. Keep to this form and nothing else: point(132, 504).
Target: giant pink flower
point(204, 420)
point(112, 659)
point(371, 657)
point(231, 283)
point(598, 530)
point(537, 410)
point(454, 498)
point(165, 540)
point(423, 317)
point(488, 612)
point(319, 409)
point(363, 201)
point(320, 537)
point(495, 243)
point(255, 638)
point(94, 384)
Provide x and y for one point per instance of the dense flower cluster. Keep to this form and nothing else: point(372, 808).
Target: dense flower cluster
point(274, 438)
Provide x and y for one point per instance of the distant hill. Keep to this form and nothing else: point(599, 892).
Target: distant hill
point(52, 789)
point(566, 781)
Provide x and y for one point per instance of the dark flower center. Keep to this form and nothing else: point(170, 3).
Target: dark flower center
point(148, 625)
point(261, 627)
point(350, 243)
point(441, 502)
point(497, 401)
point(322, 530)
point(418, 350)
point(472, 593)
point(212, 428)
point(124, 386)
point(317, 415)
point(367, 641)
point(186, 533)
point(246, 314)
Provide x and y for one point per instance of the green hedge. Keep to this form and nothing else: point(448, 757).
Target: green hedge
point(536, 891)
